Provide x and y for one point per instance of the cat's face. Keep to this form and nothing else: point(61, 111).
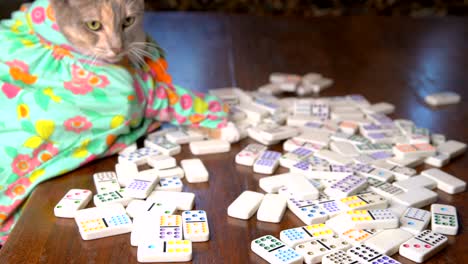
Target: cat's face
point(106, 29)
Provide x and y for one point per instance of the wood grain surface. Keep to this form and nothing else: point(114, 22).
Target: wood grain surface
point(399, 60)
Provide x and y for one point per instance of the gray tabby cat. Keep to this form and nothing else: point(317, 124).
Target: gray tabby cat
point(108, 30)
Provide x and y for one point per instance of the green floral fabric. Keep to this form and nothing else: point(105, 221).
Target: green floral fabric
point(60, 110)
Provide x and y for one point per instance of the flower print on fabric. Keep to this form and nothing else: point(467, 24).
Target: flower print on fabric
point(19, 71)
point(11, 91)
point(45, 152)
point(38, 15)
point(77, 124)
point(23, 164)
point(17, 188)
point(83, 81)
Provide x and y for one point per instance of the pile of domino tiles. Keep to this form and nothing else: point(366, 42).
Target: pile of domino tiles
point(343, 154)
point(351, 179)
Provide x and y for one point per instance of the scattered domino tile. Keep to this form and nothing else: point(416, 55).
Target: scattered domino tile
point(422, 150)
point(367, 255)
point(195, 170)
point(267, 162)
point(344, 148)
point(144, 229)
point(444, 219)
point(302, 188)
point(314, 250)
point(103, 199)
point(415, 220)
point(388, 241)
point(195, 226)
point(274, 251)
point(442, 98)
point(181, 200)
point(347, 186)
point(452, 148)
point(126, 172)
point(165, 251)
point(313, 212)
point(184, 136)
point(366, 170)
point(358, 236)
point(278, 133)
point(339, 257)
point(173, 184)
point(401, 173)
point(295, 236)
point(139, 156)
point(74, 200)
point(372, 219)
point(99, 222)
point(385, 189)
point(249, 154)
point(368, 200)
point(417, 197)
point(106, 182)
point(445, 182)
point(138, 208)
point(169, 173)
point(423, 246)
point(419, 181)
point(272, 184)
point(169, 228)
point(272, 208)
point(245, 205)
point(139, 189)
point(163, 145)
point(438, 160)
point(290, 158)
point(162, 162)
point(209, 147)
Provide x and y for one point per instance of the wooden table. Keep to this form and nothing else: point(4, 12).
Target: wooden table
point(399, 60)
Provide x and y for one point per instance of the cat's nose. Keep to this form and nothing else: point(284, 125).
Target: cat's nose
point(116, 51)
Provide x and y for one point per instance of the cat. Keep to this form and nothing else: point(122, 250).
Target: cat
point(80, 80)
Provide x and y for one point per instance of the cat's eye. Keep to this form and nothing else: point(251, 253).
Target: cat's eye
point(128, 21)
point(94, 25)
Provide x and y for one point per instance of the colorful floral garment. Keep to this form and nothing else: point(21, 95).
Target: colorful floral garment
point(59, 111)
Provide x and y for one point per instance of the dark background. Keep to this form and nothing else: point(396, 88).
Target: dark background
point(300, 8)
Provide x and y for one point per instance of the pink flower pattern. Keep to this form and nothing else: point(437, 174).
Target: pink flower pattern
point(11, 91)
point(45, 152)
point(23, 164)
point(83, 81)
point(77, 124)
point(38, 15)
point(17, 188)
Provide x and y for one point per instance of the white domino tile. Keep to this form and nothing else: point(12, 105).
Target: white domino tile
point(298, 235)
point(423, 246)
point(195, 170)
point(99, 222)
point(106, 182)
point(445, 182)
point(245, 205)
point(367, 255)
point(195, 226)
point(314, 250)
point(415, 220)
point(103, 199)
point(267, 162)
point(165, 251)
point(181, 200)
point(388, 241)
point(74, 200)
point(274, 251)
point(419, 181)
point(418, 197)
point(209, 147)
point(444, 219)
point(272, 208)
point(249, 154)
point(372, 219)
